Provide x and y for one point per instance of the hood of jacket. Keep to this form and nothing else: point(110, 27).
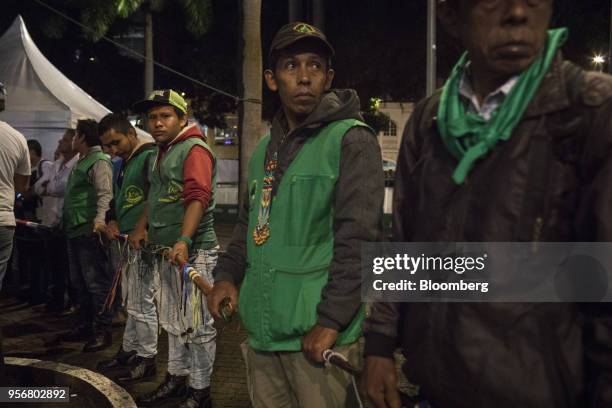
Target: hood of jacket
point(189, 131)
point(336, 104)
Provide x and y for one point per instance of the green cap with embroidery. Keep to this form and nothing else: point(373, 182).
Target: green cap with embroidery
point(297, 31)
point(161, 97)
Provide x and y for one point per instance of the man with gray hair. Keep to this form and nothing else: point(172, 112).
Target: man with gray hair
point(14, 177)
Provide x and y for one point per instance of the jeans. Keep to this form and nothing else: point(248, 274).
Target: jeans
point(140, 286)
point(192, 359)
point(30, 255)
point(6, 246)
point(91, 277)
point(56, 256)
point(191, 338)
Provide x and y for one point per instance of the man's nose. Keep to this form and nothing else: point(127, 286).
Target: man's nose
point(303, 76)
point(516, 12)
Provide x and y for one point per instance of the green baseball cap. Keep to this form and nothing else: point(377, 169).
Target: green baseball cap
point(161, 97)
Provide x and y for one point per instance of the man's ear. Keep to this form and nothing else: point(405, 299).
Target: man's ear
point(183, 121)
point(330, 78)
point(270, 80)
point(449, 17)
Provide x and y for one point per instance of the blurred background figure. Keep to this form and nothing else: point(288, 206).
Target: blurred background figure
point(50, 187)
point(31, 242)
point(88, 196)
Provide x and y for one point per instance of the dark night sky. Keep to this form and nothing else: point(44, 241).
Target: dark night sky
point(380, 47)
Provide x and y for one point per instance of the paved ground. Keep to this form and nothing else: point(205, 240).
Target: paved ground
point(29, 332)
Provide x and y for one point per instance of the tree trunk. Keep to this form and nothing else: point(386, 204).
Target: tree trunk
point(318, 14)
point(610, 43)
point(296, 10)
point(250, 127)
point(148, 63)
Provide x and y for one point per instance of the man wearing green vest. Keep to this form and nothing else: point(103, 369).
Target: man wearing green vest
point(315, 195)
point(180, 206)
point(139, 346)
point(88, 195)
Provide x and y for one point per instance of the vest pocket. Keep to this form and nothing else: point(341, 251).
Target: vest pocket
point(292, 303)
point(309, 215)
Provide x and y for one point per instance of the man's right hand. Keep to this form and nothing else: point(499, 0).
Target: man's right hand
point(112, 230)
point(137, 237)
point(380, 382)
point(222, 290)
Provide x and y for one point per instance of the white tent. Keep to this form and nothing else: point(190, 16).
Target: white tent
point(41, 102)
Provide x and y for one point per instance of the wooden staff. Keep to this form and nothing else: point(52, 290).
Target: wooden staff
point(206, 288)
point(31, 224)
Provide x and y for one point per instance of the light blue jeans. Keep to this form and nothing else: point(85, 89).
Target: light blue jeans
point(139, 286)
point(191, 344)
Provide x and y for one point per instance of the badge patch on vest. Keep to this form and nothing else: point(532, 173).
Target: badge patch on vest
point(174, 193)
point(133, 195)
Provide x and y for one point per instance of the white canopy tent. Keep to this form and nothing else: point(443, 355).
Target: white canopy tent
point(41, 102)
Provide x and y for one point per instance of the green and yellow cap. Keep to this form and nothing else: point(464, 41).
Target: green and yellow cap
point(161, 97)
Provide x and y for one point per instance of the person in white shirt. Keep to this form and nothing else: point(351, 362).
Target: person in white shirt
point(51, 188)
point(52, 185)
point(14, 177)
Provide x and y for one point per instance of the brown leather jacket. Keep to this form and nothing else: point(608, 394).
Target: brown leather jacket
point(551, 181)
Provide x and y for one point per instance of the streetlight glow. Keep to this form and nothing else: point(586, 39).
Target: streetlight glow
point(598, 59)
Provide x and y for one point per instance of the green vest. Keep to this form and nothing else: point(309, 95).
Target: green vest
point(80, 202)
point(130, 197)
point(285, 276)
point(165, 199)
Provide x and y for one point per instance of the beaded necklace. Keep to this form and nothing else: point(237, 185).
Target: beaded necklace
point(261, 232)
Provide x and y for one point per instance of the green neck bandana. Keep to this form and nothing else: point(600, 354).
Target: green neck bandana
point(469, 137)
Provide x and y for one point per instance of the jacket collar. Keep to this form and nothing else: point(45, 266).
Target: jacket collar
point(91, 150)
point(137, 148)
point(552, 96)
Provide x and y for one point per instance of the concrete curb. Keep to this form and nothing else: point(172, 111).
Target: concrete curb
point(116, 395)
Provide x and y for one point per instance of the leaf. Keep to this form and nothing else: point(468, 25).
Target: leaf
point(198, 16)
point(98, 17)
point(127, 7)
point(54, 27)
